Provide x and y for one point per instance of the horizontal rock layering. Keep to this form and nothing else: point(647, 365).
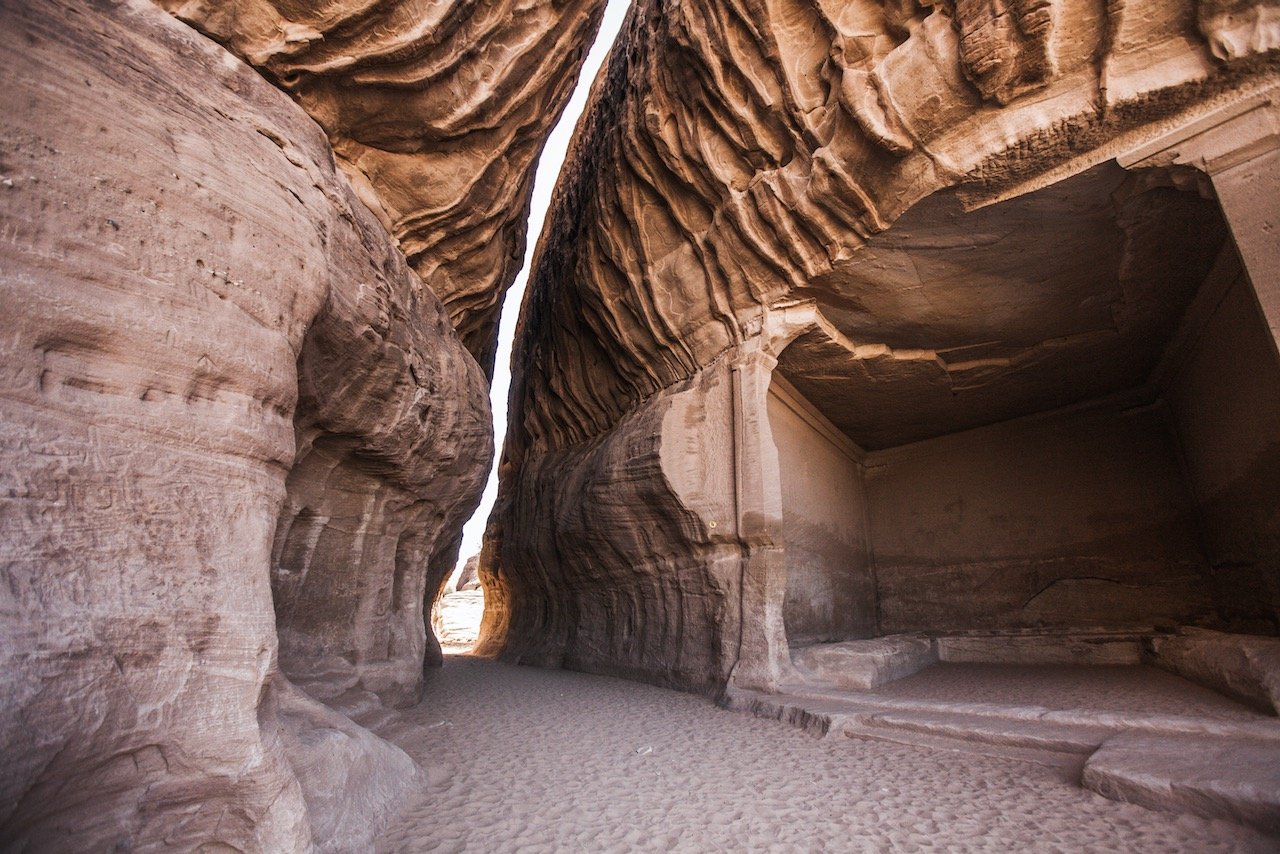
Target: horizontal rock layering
point(437, 113)
point(240, 433)
point(924, 200)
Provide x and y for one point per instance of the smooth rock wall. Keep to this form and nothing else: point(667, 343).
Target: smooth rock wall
point(1225, 403)
point(1073, 519)
point(830, 582)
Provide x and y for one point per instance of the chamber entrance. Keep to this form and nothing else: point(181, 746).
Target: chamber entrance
point(1055, 413)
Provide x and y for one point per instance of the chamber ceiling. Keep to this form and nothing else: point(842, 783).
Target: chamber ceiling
point(956, 319)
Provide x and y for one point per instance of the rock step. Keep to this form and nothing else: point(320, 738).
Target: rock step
point(1214, 777)
point(1041, 735)
point(1215, 769)
point(1266, 729)
point(830, 716)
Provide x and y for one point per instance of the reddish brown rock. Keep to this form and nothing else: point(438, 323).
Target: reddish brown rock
point(857, 319)
point(437, 113)
point(210, 345)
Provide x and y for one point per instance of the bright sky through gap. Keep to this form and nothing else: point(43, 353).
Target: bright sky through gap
point(543, 183)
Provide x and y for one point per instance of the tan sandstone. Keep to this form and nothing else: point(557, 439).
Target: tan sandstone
point(860, 319)
point(437, 113)
point(240, 433)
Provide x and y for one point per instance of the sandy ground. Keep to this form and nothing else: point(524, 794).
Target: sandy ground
point(539, 761)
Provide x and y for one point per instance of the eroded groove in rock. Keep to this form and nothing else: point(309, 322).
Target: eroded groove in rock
point(394, 442)
point(639, 589)
point(437, 113)
point(734, 183)
point(924, 202)
point(184, 270)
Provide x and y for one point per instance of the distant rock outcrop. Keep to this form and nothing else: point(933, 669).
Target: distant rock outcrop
point(469, 579)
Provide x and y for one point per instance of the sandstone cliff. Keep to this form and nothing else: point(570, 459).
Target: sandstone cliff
point(437, 113)
point(239, 431)
point(911, 213)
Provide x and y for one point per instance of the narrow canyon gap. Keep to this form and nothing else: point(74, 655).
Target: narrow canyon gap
point(863, 338)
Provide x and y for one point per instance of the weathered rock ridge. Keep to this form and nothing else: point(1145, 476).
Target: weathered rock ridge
point(737, 156)
point(863, 318)
point(437, 113)
point(240, 433)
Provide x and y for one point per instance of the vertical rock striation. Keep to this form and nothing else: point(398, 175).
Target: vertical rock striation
point(733, 188)
point(394, 440)
point(156, 310)
point(436, 113)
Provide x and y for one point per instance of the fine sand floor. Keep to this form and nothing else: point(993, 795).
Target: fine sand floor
point(532, 760)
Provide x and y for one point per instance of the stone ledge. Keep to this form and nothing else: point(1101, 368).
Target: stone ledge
point(1042, 648)
point(1244, 667)
point(861, 665)
point(1235, 779)
point(1212, 767)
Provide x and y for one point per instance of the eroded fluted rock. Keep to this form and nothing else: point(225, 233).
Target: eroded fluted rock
point(698, 193)
point(436, 111)
point(191, 287)
point(924, 199)
point(393, 445)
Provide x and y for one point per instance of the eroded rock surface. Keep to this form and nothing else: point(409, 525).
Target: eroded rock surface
point(1218, 778)
point(393, 445)
point(437, 113)
point(913, 215)
point(210, 345)
point(1241, 666)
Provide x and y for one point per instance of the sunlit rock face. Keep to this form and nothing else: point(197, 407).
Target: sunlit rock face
point(437, 113)
point(860, 318)
point(240, 432)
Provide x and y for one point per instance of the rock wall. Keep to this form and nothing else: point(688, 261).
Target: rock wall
point(1226, 421)
point(229, 404)
point(393, 438)
point(830, 582)
point(437, 112)
point(742, 161)
point(1070, 519)
point(739, 156)
point(620, 574)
